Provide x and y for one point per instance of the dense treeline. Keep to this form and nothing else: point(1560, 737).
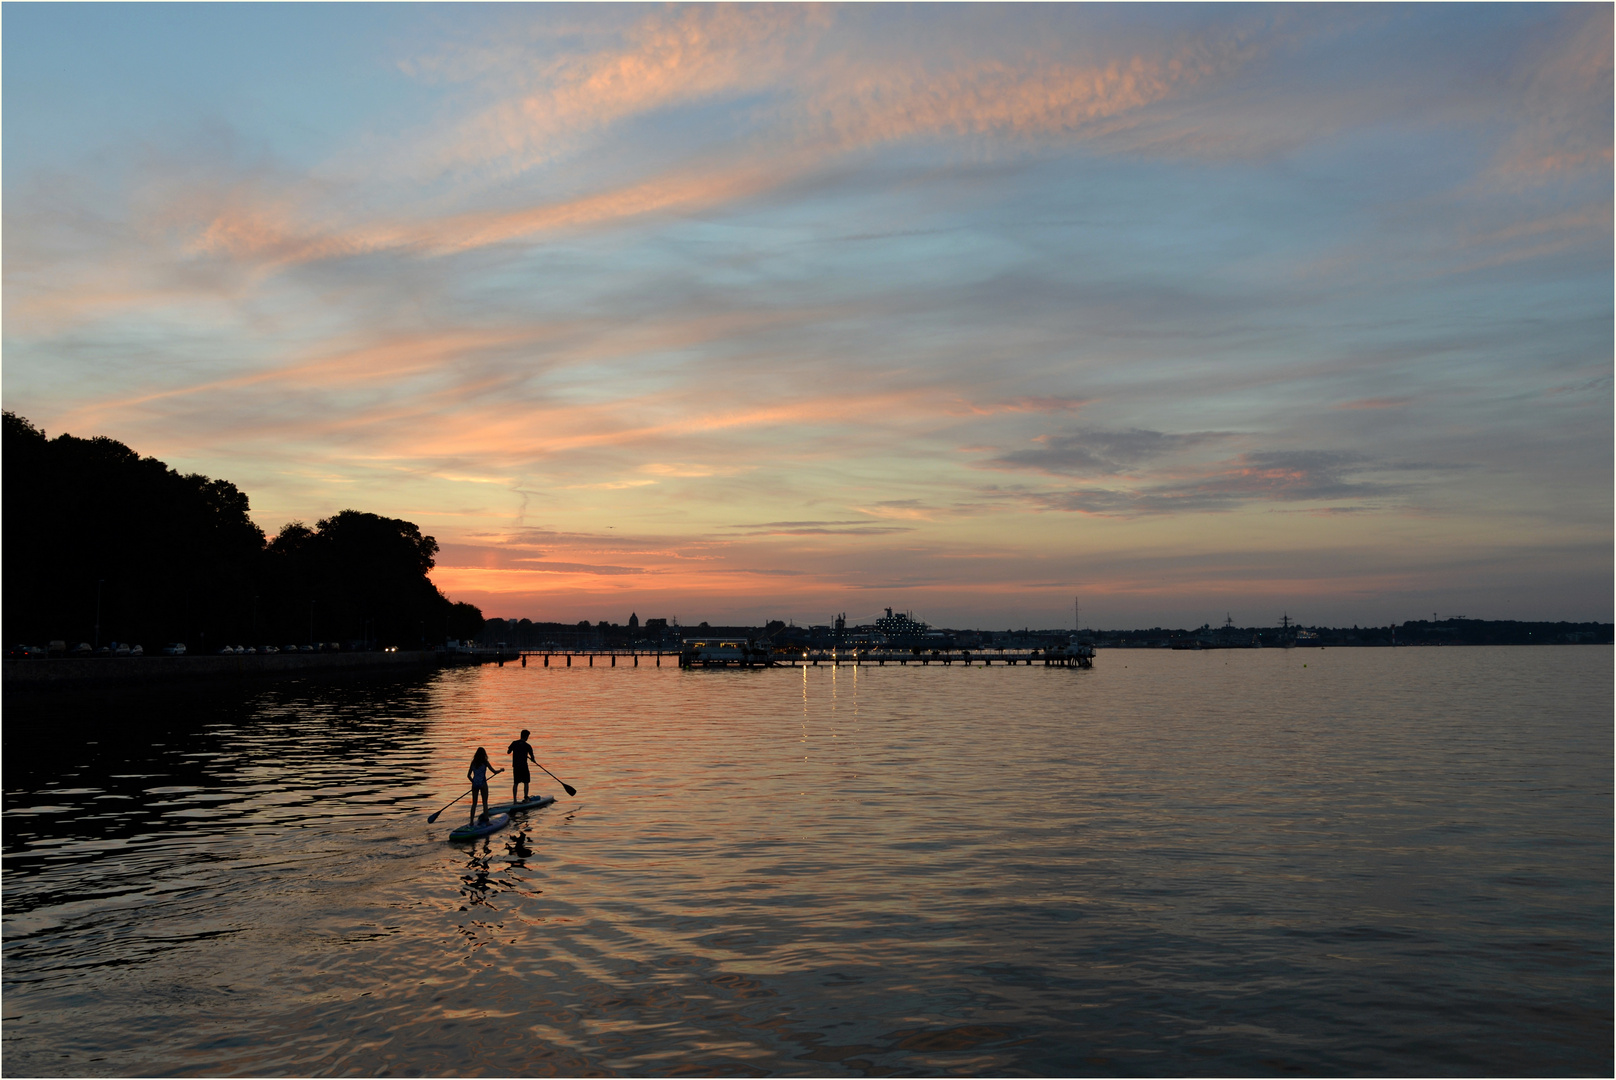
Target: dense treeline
point(94, 533)
point(1453, 631)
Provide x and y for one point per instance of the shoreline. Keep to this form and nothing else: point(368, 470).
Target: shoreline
point(80, 673)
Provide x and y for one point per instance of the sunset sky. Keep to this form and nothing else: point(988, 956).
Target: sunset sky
point(735, 313)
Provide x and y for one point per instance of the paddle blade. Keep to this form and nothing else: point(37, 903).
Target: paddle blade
point(570, 789)
point(432, 817)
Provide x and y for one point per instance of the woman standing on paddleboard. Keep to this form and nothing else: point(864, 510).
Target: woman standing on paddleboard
point(478, 774)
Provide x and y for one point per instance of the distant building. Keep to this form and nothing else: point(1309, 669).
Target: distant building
point(900, 625)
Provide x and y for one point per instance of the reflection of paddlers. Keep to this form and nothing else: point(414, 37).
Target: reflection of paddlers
point(521, 753)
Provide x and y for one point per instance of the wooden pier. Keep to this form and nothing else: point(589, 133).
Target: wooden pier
point(753, 656)
point(1077, 656)
point(736, 653)
point(587, 657)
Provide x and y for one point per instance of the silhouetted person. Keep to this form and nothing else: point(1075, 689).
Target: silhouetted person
point(521, 753)
point(478, 773)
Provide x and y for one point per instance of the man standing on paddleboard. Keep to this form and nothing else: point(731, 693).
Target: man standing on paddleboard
point(521, 753)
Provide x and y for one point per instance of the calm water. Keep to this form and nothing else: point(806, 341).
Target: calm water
point(1330, 861)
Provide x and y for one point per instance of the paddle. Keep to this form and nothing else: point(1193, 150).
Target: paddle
point(570, 790)
point(463, 794)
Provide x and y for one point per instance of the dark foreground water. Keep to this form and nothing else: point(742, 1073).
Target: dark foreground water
point(1342, 861)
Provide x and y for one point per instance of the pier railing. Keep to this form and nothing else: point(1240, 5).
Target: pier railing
point(73, 672)
point(749, 657)
point(729, 656)
point(588, 657)
point(1073, 656)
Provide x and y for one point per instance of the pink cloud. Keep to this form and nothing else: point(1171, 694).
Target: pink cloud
point(670, 56)
point(883, 103)
point(1564, 121)
point(822, 110)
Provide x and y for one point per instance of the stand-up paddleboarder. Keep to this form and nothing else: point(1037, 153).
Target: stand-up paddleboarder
point(521, 753)
point(478, 773)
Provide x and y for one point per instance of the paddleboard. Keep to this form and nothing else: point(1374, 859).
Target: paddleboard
point(471, 832)
point(534, 803)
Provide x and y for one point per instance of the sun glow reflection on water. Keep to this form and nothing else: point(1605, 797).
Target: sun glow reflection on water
point(1222, 862)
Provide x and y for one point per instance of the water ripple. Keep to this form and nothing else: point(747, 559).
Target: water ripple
point(1221, 863)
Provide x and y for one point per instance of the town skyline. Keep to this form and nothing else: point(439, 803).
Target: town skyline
point(747, 311)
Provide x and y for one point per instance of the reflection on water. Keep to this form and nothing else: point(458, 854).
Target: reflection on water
point(1385, 861)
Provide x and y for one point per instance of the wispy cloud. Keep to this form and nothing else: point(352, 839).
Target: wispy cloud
point(1046, 403)
point(1272, 476)
point(548, 100)
point(923, 298)
point(1375, 403)
point(820, 528)
point(1034, 97)
point(820, 107)
point(1564, 116)
point(1099, 452)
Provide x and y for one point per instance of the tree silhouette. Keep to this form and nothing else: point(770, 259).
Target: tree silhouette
point(89, 523)
point(358, 576)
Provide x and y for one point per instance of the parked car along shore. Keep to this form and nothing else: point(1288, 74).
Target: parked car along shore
point(115, 649)
point(82, 649)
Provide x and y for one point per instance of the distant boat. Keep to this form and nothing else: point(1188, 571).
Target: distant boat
point(724, 652)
